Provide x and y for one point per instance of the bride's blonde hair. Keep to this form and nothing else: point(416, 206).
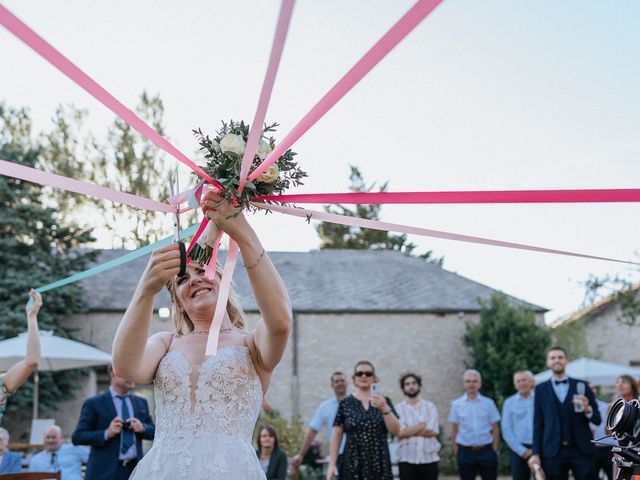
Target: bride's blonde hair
point(183, 324)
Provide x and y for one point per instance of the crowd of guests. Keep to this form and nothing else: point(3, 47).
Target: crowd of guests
point(549, 427)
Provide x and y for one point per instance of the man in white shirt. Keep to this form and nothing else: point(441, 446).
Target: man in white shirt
point(475, 431)
point(418, 450)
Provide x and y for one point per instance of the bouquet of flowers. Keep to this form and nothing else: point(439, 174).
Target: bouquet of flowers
point(223, 154)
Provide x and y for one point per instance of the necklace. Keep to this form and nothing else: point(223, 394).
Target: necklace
point(202, 332)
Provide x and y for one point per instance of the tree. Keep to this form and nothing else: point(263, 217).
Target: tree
point(125, 161)
point(622, 290)
point(506, 339)
point(37, 246)
point(333, 235)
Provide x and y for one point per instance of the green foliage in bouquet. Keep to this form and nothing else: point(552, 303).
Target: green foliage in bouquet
point(224, 156)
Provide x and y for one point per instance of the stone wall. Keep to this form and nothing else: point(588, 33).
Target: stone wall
point(429, 344)
point(611, 340)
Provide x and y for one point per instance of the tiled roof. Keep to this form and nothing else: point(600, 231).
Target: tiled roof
point(325, 281)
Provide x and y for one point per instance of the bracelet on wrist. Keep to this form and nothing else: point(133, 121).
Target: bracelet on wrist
point(387, 412)
point(255, 264)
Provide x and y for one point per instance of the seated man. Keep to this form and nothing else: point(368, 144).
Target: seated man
point(56, 456)
point(10, 462)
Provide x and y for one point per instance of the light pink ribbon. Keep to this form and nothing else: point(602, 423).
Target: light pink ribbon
point(255, 132)
point(53, 56)
point(223, 296)
point(29, 174)
point(496, 196)
point(210, 269)
point(401, 29)
point(394, 227)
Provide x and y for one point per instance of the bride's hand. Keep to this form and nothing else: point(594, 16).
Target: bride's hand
point(163, 265)
point(226, 216)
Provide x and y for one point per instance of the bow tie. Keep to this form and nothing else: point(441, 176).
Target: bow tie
point(560, 382)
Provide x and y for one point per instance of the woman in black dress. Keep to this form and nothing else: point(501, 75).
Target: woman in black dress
point(365, 419)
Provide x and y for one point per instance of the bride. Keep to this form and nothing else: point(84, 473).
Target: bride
point(206, 407)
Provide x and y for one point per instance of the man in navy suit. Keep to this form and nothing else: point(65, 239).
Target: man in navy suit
point(114, 424)
point(563, 408)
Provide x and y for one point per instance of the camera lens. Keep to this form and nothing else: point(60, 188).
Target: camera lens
point(622, 417)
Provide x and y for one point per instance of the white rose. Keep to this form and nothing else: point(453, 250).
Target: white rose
point(232, 143)
point(270, 176)
point(264, 149)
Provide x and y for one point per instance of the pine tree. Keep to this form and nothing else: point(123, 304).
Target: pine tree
point(37, 246)
point(333, 235)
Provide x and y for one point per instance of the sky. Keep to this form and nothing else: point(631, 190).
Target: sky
point(480, 96)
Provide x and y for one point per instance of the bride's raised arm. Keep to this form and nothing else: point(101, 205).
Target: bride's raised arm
point(134, 356)
point(272, 333)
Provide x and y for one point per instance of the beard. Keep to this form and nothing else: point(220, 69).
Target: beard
point(412, 394)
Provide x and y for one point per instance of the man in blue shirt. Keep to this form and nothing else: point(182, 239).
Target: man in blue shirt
point(324, 417)
point(475, 432)
point(10, 462)
point(517, 424)
point(59, 457)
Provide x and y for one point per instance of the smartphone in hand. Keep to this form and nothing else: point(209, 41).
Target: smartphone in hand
point(375, 389)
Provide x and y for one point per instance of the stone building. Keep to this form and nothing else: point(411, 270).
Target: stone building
point(399, 312)
point(602, 331)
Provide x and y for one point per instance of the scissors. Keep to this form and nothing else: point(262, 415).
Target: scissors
point(176, 225)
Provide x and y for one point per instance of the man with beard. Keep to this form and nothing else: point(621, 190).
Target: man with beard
point(517, 424)
point(418, 449)
point(563, 408)
point(324, 417)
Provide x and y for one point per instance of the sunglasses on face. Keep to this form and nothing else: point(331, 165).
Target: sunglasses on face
point(363, 374)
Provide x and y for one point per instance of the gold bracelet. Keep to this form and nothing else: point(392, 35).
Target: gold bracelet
point(257, 261)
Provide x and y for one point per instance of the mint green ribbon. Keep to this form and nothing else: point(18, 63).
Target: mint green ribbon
point(115, 262)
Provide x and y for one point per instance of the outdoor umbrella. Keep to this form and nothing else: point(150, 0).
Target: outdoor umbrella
point(593, 371)
point(57, 353)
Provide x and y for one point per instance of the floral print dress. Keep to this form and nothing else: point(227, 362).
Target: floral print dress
point(3, 396)
point(366, 452)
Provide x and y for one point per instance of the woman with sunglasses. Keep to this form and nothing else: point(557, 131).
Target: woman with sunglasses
point(366, 419)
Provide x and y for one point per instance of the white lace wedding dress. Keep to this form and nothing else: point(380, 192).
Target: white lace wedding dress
point(204, 419)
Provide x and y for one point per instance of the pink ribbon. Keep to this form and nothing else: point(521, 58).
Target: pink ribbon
point(394, 227)
point(201, 228)
point(55, 58)
point(29, 174)
point(255, 132)
point(498, 196)
point(210, 269)
point(223, 296)
point(401, 29)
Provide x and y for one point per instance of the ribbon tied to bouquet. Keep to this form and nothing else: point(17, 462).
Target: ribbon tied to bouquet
point(414, 16)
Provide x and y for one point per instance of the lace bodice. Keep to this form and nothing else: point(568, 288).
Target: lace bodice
point(205, 417)
point(222, 396)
